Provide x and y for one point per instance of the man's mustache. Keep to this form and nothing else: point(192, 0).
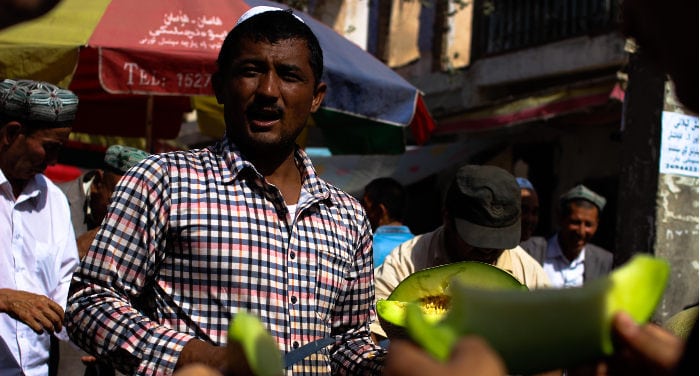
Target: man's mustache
point(265, 110)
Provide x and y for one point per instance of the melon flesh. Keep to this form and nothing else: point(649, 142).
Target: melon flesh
point(430, 289)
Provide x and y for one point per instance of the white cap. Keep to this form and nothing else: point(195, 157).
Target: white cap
point(254, 11)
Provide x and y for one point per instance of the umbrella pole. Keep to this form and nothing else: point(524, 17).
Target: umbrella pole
point(149, 124)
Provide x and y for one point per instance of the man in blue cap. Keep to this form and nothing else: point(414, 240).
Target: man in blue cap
point(568, 257)
point(530, 205)
point(38, 247)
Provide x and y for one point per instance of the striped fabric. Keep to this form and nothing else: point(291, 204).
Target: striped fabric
point(193, 237)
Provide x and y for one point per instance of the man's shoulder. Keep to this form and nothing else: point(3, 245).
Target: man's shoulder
point(527, 269)
point(51, 187)
point(536, 246)
point(523, 255)
point(415, 251)
point(598, 251)
point(178, 162)
point(336, 195)
point(56, 198)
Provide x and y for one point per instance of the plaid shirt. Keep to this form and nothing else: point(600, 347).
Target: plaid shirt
point(193, 237)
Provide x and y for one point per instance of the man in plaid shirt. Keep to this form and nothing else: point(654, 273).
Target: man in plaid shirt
point(193, 237)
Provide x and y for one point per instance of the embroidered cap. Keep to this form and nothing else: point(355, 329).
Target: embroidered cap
point(582, 192)
point(121, 158)
point(254, 11)
point(36, 101)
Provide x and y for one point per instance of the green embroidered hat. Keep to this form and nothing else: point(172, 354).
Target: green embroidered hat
point(37, 101)
point(582, 192)
point(121, 158)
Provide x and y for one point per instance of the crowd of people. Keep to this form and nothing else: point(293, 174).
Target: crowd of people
point(147, 262)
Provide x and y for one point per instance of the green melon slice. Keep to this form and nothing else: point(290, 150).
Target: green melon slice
point(430, 289)
point(261, 352)
point(541, 330)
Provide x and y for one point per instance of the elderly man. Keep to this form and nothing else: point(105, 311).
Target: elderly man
point(38, 247)
point(568, 257)
point(89, 195)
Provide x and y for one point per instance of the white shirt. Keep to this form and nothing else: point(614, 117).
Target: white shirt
point(561, 272)
point(38, 253)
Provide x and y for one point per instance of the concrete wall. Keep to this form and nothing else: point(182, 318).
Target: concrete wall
point(450, 93)
point(677, 240)
point(658, 213)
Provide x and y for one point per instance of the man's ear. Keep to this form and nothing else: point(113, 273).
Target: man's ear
point(9, 132)
point(217, 83)
point(319, 94)
point(385, 212)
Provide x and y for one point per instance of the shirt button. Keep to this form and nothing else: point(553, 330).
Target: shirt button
point(294, 300)
point(295, 345)
point(292, 255)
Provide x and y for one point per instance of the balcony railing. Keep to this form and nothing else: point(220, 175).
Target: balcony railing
point(507, 25)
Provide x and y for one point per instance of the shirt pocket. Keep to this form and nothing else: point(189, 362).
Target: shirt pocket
point(44, 254)
point(43, 266)
point(333, 275)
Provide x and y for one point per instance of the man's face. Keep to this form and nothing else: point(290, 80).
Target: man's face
point(578, 228)
point(530, 207)
point(268, 93)
point(29, 155)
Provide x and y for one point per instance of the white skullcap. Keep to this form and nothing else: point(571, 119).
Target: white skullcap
point(254, 11)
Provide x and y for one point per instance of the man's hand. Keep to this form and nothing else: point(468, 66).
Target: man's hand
point(197, 369)
point(644, 350)
point(471, 356)
point(230, 360)
point(37, 311)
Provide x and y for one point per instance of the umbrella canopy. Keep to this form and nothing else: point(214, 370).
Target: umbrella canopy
point(148, 57)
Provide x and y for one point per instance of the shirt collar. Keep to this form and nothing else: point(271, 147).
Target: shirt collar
point(235, 164)
point(387, 229)
point(36, 186)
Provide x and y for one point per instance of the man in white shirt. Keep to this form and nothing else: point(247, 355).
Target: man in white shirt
point(568, 257)
point(38, 252)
